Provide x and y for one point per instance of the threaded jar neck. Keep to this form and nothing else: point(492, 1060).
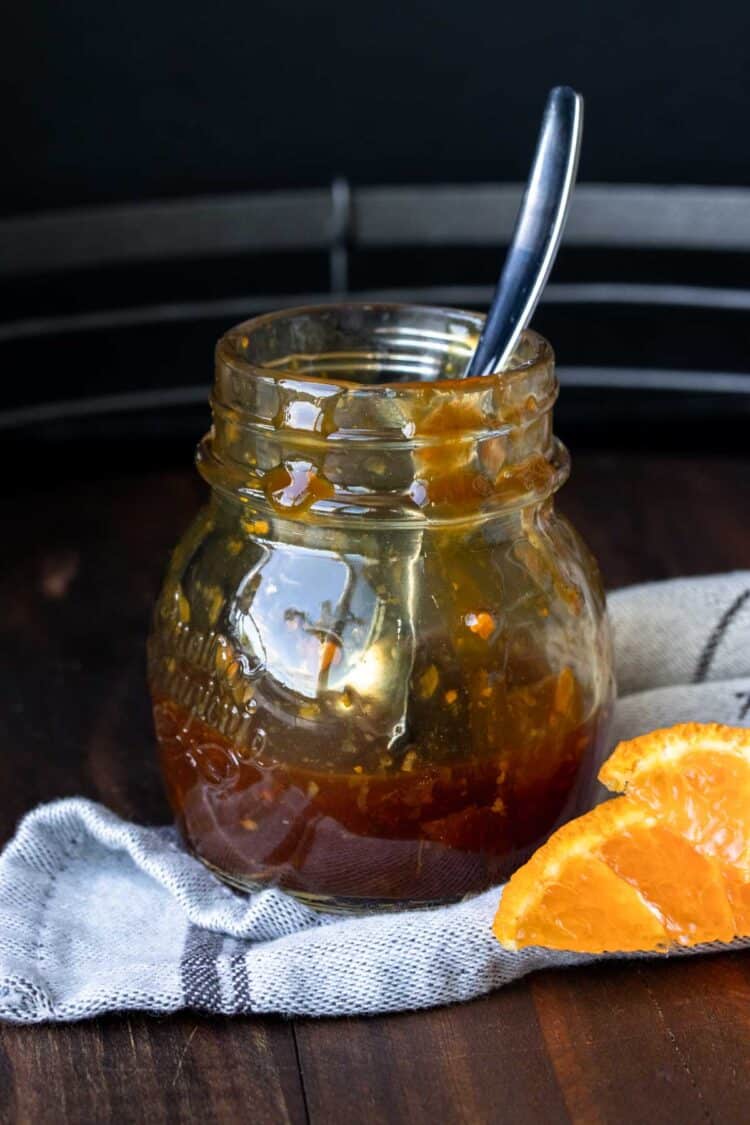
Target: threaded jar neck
point(362, 410)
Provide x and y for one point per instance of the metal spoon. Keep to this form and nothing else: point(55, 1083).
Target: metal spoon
point(537, 234)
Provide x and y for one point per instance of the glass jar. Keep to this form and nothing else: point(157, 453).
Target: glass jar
point(380, 663)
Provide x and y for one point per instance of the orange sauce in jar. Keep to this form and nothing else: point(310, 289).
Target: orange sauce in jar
point(419, 832)
point(380, 663)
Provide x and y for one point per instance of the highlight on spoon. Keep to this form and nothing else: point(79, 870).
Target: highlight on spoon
point(537, 233)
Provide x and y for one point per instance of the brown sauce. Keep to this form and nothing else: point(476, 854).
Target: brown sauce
point(419, 833)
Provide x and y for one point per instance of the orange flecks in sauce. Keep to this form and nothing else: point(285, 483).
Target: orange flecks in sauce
point(403, 827)
point(214, 600)
point(183, 609)
point(224, 656)
point(483, 624)
point(409, 761)
point(565, 691)
point(428, 682)
point(256, 526)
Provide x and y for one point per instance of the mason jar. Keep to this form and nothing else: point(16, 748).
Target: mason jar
point(380, 663)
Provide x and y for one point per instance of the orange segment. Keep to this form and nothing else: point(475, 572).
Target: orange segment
point(685, 887)
point(696, 776)
point(615, 917)
point(668, 863)
point(567, 897)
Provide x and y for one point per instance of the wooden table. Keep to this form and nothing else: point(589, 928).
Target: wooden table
point(648, 1042)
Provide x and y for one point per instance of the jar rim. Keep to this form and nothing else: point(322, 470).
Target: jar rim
point(231, 350)
point(290, 430)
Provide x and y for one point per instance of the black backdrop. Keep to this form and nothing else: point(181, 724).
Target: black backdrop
point(106, 101)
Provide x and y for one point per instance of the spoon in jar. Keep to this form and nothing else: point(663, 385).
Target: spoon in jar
point(537, 234)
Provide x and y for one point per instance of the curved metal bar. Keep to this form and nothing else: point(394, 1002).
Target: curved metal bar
point(625, 215)
point(462, 296)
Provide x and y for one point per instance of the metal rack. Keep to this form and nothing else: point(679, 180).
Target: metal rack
point(340, 223)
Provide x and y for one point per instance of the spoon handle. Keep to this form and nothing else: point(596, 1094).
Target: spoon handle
point(537, 234)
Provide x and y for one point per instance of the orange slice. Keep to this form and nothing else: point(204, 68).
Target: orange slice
point(696, 776)
point(667, 864)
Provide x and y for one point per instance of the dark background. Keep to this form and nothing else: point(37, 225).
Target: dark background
point(117, 101)
point(106, 103)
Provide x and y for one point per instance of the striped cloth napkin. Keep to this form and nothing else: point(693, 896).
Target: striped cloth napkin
point(99, 915)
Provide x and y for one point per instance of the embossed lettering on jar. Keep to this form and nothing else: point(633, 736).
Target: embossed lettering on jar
point(380, 663)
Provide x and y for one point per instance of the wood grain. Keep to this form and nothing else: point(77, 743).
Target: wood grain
point(484, 1061)
point(131, 1068)
point(621, 1043)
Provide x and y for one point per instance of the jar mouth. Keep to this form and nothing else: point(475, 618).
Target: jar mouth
point(365, 408)
point(370, 348)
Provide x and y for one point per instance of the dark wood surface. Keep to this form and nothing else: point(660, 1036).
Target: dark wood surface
point(647, 1042)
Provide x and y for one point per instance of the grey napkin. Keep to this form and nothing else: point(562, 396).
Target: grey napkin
point(99, 915)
